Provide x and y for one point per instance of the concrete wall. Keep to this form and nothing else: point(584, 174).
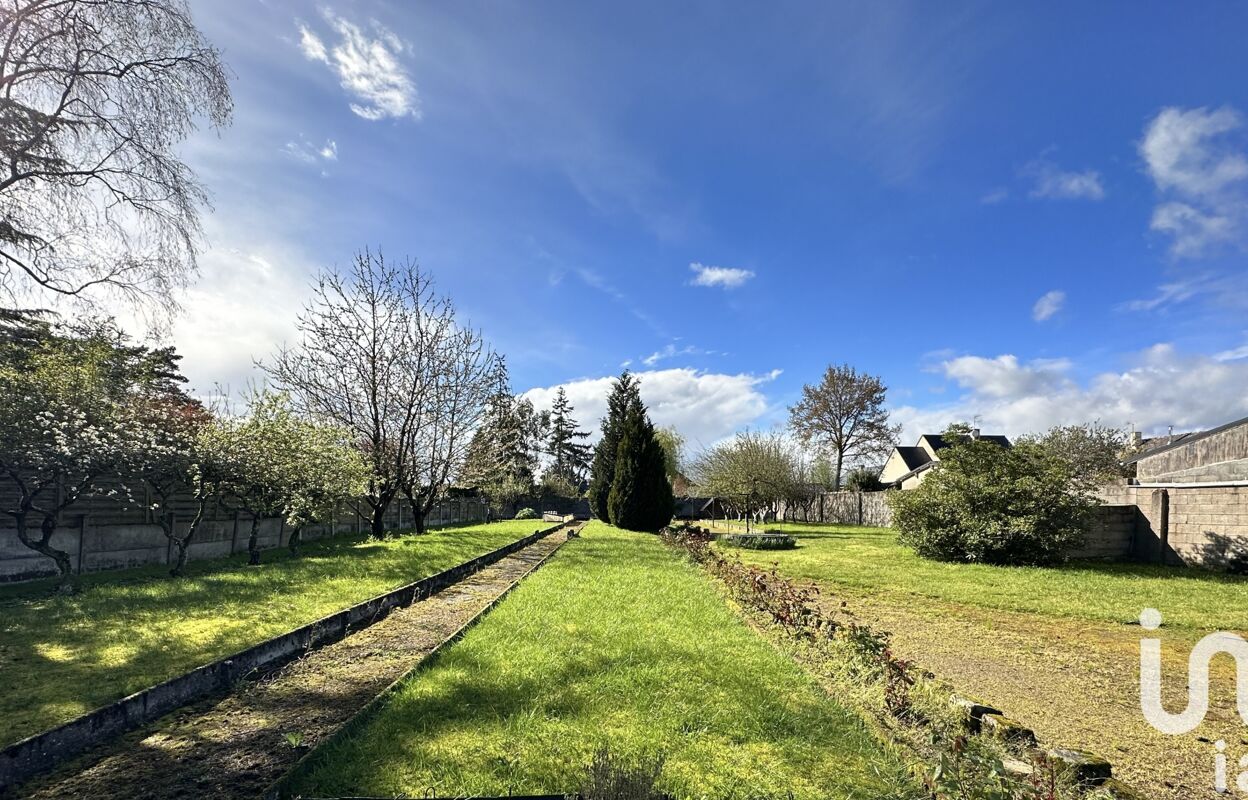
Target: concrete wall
point(842, 508)
point(107, 534)
point(1220, 456)
point(1195, 525)
point(1111, 534)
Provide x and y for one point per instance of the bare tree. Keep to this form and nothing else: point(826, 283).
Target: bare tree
point(383, 356)
point(461, 379)
point(844, 414)
point(94, 94)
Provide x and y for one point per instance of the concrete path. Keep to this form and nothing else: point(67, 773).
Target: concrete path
point(237, 745)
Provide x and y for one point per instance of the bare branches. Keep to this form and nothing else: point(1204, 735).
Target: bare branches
point(384, 356)
point(845, 414)
point(94, 94)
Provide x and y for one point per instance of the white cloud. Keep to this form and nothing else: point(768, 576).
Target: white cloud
point(672, 351)
point(1161, 387)
point(1197, 163)
point(725, 277)
point(367, 66)
point(1054, 183)
point(304, 151)
point(1234, 354)
point(995, 196)
point(704, 406)
point(1048, 305)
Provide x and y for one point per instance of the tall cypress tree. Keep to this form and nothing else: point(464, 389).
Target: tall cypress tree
point(640, 498)
point(624, 396)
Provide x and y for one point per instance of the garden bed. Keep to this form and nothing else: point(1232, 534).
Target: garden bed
point(759, 541)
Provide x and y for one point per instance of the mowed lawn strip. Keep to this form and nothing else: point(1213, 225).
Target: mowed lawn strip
point(872, 560)
point(61, 657)
point(617, 642)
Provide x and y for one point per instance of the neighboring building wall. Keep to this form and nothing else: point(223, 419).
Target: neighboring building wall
point(894, 468)
point(914, 480)
point(1220, 456)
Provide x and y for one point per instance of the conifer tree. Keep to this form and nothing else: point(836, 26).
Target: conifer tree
point(570, 456)
point(624, 396)
point(641, 494)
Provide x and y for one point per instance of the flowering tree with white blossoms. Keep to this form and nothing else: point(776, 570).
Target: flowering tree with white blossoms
point(68, 419)
point(276, 464)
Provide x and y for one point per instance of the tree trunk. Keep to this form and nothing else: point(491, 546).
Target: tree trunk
point(253, 542)
point(418, 519)
point(378, 529)
point(295, 540)
point(840, 458)
point(42, 546)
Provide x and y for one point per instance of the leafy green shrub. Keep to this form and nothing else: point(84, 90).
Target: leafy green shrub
point(526, 513)
point(996, 505)
point(760, 541)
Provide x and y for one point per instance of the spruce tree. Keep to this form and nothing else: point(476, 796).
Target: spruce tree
point(569, 455)
point(624, 396)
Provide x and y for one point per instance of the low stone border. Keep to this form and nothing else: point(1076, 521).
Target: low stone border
point(44, 751)
point(1087, 769)
point(281, 788)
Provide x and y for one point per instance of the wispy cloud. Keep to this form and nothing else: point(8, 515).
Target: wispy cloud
point(672, 350)
point(723, 277)
point(1169, 294)
point(1051, 182)
point(998, 195)
point(1048, 305)
point(368, 67)
point(1196, 160)
point(597, 281)
point(304, 151)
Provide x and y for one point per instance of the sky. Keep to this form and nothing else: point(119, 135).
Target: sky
point(1019, 215)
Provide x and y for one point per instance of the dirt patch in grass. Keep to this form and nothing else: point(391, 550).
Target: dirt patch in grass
point(237, 745)
point(1076, 683)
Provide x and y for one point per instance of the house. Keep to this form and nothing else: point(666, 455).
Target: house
point(908, 466)
point(1218, 455)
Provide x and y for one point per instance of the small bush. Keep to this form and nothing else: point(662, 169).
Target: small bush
point(760, 541)
point(526, 513)
point(995, 505)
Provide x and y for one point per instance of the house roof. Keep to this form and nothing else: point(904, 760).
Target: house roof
point(914, 457)
point(1185, 438)
point(938, 441)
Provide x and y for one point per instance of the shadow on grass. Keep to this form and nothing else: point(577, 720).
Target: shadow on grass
point(63, 656)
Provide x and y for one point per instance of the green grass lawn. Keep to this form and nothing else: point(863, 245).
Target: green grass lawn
point(871, 560)
point(63, 656)
point(617, 642)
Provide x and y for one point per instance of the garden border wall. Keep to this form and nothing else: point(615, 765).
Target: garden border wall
point(46, 750)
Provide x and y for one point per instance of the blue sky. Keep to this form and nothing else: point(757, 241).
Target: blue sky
point(1023, 214)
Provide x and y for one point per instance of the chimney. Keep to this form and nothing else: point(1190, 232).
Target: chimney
point(974, 433)
point(1137, 438)
point(1169, 434)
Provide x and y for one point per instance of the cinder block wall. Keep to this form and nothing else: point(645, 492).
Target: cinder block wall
point(1202, 526)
